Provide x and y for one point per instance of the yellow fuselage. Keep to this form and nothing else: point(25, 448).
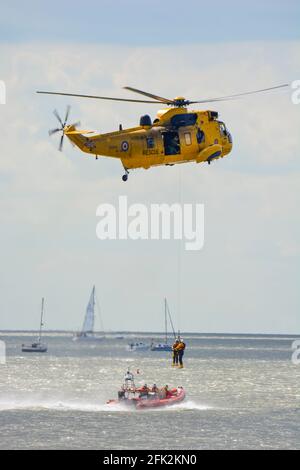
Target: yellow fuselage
point(148, 145)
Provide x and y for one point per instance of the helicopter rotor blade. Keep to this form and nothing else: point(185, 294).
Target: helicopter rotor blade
point(61, 143)
point(67, 114)
point(53, 131)
point(158, 99)
point(64, 127)
point(58, 117)
point(99, 97)
point(237, 95)
point(150, 95)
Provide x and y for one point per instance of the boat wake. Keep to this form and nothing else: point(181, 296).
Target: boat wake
point(191, 405)
point(58, 405)
point(70, 405)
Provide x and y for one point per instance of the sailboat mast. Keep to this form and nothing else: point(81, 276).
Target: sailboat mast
point(166, 322)
point(93, 308)
point(170, 318)
point(41, 323)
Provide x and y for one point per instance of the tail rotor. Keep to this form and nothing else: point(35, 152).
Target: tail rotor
point(63, 126)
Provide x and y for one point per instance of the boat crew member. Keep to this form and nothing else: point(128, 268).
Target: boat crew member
point(121, 394)
point(144, 391)
point(168, 392)
point(164, 392)
point(180, 350)
point(175, 353)
point(154, 392)
point(129, 379)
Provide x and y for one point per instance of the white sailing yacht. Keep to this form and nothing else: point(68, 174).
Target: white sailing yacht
point(165, 346)
point(38, 346)
point(87, 331)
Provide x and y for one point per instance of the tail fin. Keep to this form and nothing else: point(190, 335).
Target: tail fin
point(78, 138)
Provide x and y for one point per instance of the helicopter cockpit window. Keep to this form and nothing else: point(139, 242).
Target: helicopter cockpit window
point(150, 142)
point(222, 128)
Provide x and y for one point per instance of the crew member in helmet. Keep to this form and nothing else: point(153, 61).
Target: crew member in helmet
point(128, 376)
point(144, 391)
point(180, 350)
point(129, 380)
point(154, 391)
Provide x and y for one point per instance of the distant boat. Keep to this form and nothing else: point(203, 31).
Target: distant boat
point(165, 346)
point(137, 346)
point(38, 346)
point(117, 337)
point(87, 331)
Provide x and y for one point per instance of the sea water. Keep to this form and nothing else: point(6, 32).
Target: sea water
point(242, 392)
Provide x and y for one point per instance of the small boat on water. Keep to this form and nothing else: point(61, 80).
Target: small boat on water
point(166, 346)
point(137, 397)
point(176, 396)
point(37, 346)
point(87, 332)
point(137, 346)
point(113, 336)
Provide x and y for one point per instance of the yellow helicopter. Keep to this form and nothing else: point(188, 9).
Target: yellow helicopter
point(175, 136)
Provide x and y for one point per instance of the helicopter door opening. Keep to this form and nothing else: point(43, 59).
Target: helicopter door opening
point(171, 143)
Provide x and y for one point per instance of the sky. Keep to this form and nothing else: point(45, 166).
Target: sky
point(246, 277)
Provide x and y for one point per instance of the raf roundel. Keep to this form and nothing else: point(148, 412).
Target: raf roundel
point(124, 146)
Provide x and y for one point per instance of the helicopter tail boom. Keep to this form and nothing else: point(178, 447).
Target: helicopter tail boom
point(78, 138)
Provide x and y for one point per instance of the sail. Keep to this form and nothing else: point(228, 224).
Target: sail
point(41, 322)
point(88, 324)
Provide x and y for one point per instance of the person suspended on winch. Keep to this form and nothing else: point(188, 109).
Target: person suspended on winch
point(180, 350)
point(175, 353)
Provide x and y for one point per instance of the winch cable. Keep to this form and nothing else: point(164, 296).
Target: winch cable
point(179, 256)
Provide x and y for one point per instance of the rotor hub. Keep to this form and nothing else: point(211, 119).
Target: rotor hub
point(180, 101)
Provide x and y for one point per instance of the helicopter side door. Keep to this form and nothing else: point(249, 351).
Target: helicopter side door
point(171, 142)
point(188, 139)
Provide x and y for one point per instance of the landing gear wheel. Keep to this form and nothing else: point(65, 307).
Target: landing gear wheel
point(125, 176)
